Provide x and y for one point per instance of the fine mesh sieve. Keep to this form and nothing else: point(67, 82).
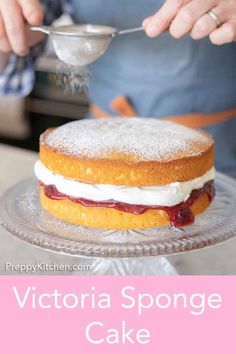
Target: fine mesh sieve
point(80, 45)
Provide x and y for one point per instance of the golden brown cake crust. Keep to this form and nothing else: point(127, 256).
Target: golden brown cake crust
point(192, 160)
point(108, 218)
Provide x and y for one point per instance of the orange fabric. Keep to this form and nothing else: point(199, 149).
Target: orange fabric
point(123, 107)
point(200, 120)
point(97, 112)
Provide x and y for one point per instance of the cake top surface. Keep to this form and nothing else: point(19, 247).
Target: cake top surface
point(133, 139)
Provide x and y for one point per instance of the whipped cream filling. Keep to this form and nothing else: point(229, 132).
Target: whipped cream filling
point(166, 195)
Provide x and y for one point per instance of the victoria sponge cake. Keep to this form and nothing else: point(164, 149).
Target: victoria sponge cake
point(117, 173)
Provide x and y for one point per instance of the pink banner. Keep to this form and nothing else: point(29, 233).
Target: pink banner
point(94, 315)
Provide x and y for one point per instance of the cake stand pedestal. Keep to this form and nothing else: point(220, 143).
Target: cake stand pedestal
point(128, 266)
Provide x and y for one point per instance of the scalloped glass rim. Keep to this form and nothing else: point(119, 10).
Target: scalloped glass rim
point(22, 215)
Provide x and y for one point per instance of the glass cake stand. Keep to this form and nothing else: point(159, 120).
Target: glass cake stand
point(123, 252)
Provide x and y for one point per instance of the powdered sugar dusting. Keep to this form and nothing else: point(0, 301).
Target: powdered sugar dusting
point(144, 139)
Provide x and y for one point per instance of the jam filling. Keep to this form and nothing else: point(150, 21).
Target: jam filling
point(180, 214)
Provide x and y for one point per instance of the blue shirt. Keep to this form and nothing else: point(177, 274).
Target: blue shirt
point(160, 77)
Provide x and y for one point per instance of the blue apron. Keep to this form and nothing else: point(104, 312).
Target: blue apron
point(163, 76)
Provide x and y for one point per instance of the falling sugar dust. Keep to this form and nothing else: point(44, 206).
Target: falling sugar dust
point(72, 79)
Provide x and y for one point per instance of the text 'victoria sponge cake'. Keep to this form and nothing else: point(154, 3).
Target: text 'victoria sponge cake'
point(117, 173)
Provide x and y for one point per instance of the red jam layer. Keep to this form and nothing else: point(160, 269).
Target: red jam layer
point(180, 214)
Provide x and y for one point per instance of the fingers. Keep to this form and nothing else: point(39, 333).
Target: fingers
point(224, 34)
point(206, 24)
point(4, 43)
point(14, 27)
point(32, 11)
point(14, 15)
point(188, 15)
point(146, 21)
point(203, 27)
point(191, 17)
point(158, 23)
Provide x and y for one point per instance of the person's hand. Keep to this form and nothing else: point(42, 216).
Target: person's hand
point(199, 18)
point(14, 17)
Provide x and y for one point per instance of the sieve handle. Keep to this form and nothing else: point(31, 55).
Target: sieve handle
point(130, 30)
point(43, 29)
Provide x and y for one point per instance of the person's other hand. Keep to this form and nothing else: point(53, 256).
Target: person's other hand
point(192, 17)
point(14, 17)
